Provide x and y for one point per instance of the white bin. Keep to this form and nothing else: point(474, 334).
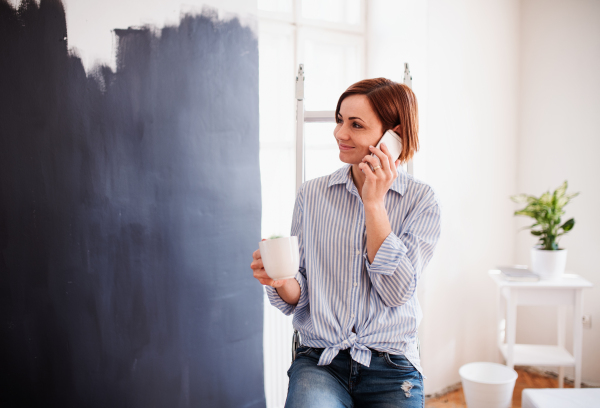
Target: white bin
point(488, 385)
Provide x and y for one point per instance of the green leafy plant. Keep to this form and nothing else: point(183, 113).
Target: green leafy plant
point(547, 211)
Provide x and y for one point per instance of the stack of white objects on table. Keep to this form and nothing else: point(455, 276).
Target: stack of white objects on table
point(560, 398)
point(518, 274)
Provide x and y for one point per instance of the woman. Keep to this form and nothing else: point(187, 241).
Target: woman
point(366, 233)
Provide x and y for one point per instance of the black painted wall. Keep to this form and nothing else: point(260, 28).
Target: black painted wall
point(129, 209)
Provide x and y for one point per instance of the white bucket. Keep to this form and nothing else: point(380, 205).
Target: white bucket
point(488, 385)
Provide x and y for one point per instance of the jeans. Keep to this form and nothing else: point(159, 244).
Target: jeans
point(391, 381)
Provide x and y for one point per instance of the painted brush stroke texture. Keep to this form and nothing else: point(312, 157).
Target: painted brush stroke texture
point(129, 205)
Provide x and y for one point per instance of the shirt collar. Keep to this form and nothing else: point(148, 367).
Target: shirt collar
point(344, 176)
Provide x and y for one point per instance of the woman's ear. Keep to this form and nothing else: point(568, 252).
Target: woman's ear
point(397, 129)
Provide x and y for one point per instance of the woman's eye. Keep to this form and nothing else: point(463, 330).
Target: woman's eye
point(354, 124)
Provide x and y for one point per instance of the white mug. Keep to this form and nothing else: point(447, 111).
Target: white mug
point(280, 256)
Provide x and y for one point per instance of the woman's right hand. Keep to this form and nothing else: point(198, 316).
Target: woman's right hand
point(260, 274)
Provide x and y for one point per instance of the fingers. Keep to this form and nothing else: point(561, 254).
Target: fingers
point(263, 278)
point(259, 272)
point(366, 169)
point(257, 264)
point(373, 161)
point(272, 283)
point(393, 169)
point(387, 152)
point(381, 161)
point(384, 156)
point(261, 275)
point(266, 282)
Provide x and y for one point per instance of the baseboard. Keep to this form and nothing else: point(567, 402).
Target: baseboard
point(444, 391)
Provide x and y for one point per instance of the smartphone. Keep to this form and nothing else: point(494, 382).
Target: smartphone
point(393, 143)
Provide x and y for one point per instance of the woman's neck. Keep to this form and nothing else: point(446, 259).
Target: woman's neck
point(359, 178)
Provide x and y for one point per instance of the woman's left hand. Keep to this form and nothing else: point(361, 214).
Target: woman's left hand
point(378, 182)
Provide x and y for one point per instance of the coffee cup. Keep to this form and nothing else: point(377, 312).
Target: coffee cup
point(280, 256)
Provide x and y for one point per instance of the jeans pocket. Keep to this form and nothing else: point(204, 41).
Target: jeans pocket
point(301, 351)
point(398, 361)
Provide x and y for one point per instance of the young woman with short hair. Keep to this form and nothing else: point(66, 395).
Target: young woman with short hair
point(366, 233)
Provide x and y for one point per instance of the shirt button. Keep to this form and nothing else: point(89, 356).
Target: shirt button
point(358, 252)
point(355, 284)
point(352, 315)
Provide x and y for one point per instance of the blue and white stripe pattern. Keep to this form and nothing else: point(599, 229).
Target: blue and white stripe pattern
point(339, 288)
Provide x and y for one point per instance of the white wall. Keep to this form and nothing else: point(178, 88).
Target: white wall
point(465, 74)
point(559, 139)
point(509, 93)
point(90, 22)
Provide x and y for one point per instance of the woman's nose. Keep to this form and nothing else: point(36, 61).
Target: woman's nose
point(341, 133)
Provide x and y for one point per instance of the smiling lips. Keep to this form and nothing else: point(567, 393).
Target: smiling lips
point(344, 147)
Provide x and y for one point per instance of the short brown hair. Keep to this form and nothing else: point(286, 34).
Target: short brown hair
point(395, 104)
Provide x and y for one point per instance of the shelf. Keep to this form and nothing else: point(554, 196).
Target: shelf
point(540, 355)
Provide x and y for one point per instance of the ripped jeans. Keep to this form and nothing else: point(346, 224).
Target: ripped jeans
point(391, 381)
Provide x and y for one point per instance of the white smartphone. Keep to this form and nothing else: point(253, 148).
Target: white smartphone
point(393, 143)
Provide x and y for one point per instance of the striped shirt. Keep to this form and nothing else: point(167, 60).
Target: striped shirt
point(339, 288)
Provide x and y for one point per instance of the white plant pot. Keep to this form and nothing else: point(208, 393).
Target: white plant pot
point(548, 264)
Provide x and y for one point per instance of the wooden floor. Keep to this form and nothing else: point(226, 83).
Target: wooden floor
point(527, 379)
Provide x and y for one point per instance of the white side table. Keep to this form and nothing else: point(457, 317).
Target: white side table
point(568, 290)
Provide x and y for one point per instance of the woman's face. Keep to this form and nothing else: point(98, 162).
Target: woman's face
point(358, 127)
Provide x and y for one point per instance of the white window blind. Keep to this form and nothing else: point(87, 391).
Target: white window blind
point(328, 37)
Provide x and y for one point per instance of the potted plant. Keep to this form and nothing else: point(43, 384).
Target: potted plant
point(547, 259)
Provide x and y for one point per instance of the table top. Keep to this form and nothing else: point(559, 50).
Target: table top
point(560, 397)
point(567, 281)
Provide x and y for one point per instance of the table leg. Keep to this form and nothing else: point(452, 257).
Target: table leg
point(561, 335)
point(500, 321)
point(511, 328)
point(561, 377)
point(578, 335)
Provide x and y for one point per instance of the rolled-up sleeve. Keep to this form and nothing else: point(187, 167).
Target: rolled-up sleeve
point(281, 304)
point(272, 294)
point(401, 259)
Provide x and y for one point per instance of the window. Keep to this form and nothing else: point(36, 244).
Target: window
point(328, 37)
